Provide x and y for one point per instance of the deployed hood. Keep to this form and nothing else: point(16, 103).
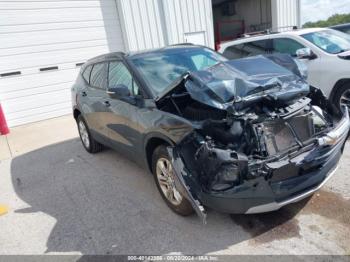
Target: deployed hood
point(239, 83)
point(276, 79)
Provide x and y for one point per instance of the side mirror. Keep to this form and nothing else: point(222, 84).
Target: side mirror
point(119, 91)
point(305, 53)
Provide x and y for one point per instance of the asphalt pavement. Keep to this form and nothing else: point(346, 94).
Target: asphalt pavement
point(61, 200)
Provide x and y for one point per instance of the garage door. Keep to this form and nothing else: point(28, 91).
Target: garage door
point(42, 45)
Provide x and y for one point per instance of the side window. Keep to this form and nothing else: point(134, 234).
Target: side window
point(86, 73)
point(286, 46)
point(118, 74)
point(98, 76)
point(235, 51)
point(259, 47)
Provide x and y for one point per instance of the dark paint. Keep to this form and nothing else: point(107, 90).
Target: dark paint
point(128, 127)
point(345, 28)
point(124, 126)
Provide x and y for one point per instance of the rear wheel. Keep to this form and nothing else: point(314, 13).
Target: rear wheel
point(164, 177)
point(89, 143)
point(342, 96)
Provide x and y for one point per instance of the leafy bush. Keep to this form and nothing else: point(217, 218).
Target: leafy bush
point(333, 20)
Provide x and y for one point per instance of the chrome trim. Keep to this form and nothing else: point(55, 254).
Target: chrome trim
point(277, 205)
point(338, 132)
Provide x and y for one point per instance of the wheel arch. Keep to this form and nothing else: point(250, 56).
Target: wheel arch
point(76, 113)
point(152, 142)
point(340, 83)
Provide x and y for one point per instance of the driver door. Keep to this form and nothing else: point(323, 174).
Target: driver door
point(122, 125)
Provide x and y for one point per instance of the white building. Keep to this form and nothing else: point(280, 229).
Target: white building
point(43, 43)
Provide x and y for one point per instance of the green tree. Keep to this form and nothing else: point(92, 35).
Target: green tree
point(333, 20)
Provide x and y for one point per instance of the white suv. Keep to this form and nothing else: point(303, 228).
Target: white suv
point(326, 53)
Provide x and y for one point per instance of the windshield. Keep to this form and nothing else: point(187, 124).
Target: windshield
point(331, 41)
point(160, 69)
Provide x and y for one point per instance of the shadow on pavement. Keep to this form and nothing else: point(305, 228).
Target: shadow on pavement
point(105, 204)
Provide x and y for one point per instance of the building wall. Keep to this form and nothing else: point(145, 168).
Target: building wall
point(42, 45)
point(155, 23)
point(141, 24)
point(258, 15)
point(285, 13)
point(188, 17)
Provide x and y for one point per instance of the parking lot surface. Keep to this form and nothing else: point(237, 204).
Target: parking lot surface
point(61, 200)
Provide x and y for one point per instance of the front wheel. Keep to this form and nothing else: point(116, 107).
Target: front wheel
point(89, 143)
point(342, 97)
point(164, 177)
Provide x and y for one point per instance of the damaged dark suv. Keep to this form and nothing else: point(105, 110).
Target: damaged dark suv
point(241, 136)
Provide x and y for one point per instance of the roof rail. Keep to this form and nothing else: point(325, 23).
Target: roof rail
point(283, 28)
point(181, 44)
point(271, 31)
point(256, 33)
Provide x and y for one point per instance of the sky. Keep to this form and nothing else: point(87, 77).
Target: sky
point(314, 10)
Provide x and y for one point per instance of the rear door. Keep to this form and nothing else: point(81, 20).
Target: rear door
point(93, 101)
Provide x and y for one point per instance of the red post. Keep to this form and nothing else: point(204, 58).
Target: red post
point(4, 130)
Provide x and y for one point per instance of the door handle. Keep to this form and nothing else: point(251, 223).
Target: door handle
point(83, 93)
point(106, 103)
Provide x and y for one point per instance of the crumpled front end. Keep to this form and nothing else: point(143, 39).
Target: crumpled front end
point(262, 137)
point(278, 162)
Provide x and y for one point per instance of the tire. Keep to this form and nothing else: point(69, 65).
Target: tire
point(344, 90)
point(89, 143)
point(180, 206)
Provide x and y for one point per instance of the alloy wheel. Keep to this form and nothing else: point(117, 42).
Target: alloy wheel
point(165, 176)
point(345, 99)
point(84, 135)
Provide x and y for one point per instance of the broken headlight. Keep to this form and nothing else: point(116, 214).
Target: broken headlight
point(220, 168)
point(226, 177)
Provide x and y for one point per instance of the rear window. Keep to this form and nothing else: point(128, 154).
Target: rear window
point(86, 73)
point(98, 77)
point(259, 47)
point(235, 51)
point(253, 48)
point(286, 46)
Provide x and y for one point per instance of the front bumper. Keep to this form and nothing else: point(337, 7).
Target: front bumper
point(277, 205)
point(312, 170)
